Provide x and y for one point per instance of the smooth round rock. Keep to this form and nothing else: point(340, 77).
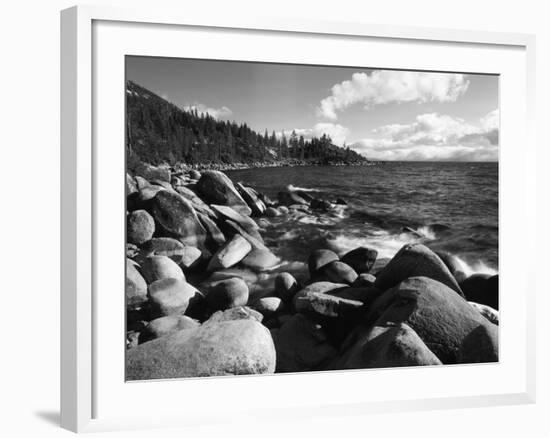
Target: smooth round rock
point(159, 267)
point(227, 293)
point(319, 258)
point(415, 260)
point(338, 272)
point(269, 306)
point(223, 348)
point(361, 259)
point(172, 295)
point(286, 286)
point(140, 227)
point(166, 325)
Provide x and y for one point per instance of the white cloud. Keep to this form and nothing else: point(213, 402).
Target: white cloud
point(222, 113)
point(434, 137)
point(386, 86)
point(336, 132)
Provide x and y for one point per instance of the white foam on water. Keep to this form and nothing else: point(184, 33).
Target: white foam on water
point(426, 232)
point(289, 235)
point(385, 243)
point(478, 267)
point(293, 188)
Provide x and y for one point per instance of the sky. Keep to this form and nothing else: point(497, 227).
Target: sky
point(382, 114)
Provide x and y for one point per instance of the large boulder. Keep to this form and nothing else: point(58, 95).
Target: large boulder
point(361, 259)
point(338, 272)
point(230, 254)
point(392, 345)
point(176, 217)
point(136, 287)
point(441, 317)
point(172, 296)
point(482, 289)
point(140, 227)
point(415, 260)
point(319, 258)
point(216, 188)
point(166, 325)
point(159, 267)
point(225, 294)
point(260, 260)
point(214, 349)
point(302, 345)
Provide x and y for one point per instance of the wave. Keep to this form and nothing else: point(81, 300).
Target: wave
point(385, 243)
point(293, 188)
point(388, 245)
point(478, 267)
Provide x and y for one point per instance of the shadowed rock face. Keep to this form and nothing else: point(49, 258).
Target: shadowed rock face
point(415, 260)
point(482, 289)
point(215, 349)
point(216, 188)
point(441, 317)
point(393, 345)
point(176, 217)
point(320, 258)
point(361, 259)
point(480, 346)
point(302, 345)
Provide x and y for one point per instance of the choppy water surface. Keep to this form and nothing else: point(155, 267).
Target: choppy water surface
point(452, 206)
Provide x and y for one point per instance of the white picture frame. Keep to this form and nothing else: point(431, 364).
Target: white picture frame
point(90, 71)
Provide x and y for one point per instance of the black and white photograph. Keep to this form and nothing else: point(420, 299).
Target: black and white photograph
point(287, 218)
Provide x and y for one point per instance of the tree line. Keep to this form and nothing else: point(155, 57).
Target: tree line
point(160, 132)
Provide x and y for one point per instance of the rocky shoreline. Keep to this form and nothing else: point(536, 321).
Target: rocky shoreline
point(206, 297)
point(291, 162)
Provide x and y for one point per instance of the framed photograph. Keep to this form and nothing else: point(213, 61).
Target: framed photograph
point(334, 214)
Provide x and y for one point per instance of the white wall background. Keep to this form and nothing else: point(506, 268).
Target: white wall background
point(29, 217)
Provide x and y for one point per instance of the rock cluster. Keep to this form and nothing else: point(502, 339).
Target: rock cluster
point(203, 298)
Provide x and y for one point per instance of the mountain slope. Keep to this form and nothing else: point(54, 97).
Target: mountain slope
point(160, 132)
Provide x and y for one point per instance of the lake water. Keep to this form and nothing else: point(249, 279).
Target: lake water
point(453, 207)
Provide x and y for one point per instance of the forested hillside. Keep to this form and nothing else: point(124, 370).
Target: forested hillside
point(160, 132)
